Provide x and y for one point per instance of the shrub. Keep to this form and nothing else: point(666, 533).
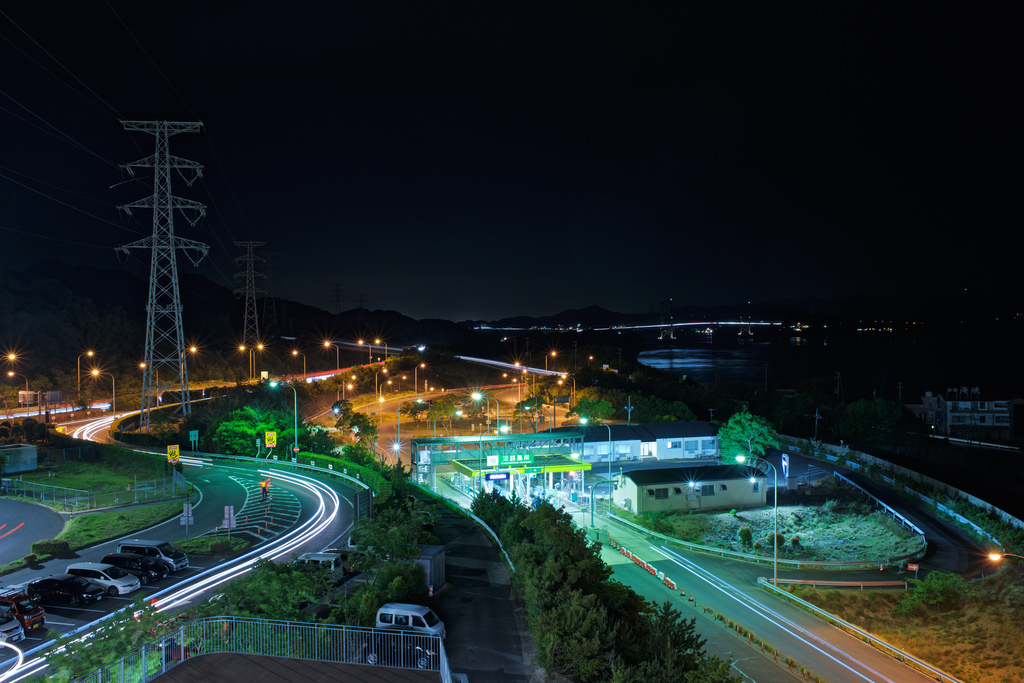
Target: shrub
point(746, 535)
point(50, 546)
point(795, 541)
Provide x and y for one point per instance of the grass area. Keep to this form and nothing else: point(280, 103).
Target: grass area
point(93, 527)
point(212, 545)
point(975, 637)
point(845, 528)
point(87, 476)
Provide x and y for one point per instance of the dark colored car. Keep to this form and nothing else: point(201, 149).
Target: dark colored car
point(66, 588)
point(23, 608)
point(146, 568)
point(388, 647)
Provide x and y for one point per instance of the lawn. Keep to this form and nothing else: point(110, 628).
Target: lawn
point(845, 528)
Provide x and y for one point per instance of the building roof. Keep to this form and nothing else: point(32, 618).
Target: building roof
point(645, 433)
point(692, 474)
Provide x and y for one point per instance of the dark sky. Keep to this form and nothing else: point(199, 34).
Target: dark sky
point(486, 159)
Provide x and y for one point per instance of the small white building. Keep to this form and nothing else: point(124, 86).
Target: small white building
point(697, 489)
point(690, 441)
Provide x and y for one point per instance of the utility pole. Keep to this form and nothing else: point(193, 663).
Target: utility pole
point(251, 328)
point(165, 342)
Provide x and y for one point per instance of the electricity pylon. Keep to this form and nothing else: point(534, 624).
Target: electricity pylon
point(251, 328)
point(165, 339)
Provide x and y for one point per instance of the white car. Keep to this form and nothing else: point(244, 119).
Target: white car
point(115, 581)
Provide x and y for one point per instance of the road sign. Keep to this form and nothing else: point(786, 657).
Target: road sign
point(295, 449)
point(912, 567)
point(506, 459)
point(173, 454)
point(534, 470)
point(270, 438)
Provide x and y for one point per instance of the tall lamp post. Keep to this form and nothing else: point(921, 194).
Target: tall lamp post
point(295, 352)
point(416, 377)
point(497, 409)
point(457, 413)
point(295, 426)
point(369, 351)
point(607, 426)
point(398, 424)
point(89, 354)
point(337, 354)
point(113, 390)
point(775, 532)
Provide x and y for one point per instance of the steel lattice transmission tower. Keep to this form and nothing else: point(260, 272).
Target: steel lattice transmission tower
point(165, 339)
point(251, 335)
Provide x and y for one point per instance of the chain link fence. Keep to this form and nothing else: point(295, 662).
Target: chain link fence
point(77, 500)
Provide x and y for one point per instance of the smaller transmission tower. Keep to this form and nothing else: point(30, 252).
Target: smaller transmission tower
point(251, 329)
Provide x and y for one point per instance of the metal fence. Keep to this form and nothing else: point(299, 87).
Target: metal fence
point(238, 635)
point(146, 490)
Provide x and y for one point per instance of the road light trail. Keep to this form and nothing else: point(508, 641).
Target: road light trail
point(328, 507)
point(822, 646)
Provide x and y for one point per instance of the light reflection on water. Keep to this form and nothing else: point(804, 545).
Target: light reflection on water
point(711, 364)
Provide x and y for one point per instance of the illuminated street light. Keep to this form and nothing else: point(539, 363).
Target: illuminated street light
point(457, 413)
point(497, 409)
point(416, 377)
point(296, 353)
point(337, 354)
point(775, 533)
point(113, 390)
point(552, 355)
point(607, 426)
point(295, 414)
point(997, 557)
point(252, 358)
point(89, 354)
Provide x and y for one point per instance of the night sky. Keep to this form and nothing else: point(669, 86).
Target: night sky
point(486, 159)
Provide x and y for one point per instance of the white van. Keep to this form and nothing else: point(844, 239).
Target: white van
point(158, 550)
point(406, 617)
point(115, 581)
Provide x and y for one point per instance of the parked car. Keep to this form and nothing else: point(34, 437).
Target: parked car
point(407, 617)
point(114, 580)
point(147, 569)
point(11, 628)
point(158, 550)
point(399, 649)
point(66, 588)
point(23, 608)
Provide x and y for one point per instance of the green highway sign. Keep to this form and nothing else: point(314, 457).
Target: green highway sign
point(534, 470)
point(509, 459)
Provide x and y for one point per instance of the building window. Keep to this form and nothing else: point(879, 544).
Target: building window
point(690, 446)
point(675, 444)
point(677, 491)
point(661, 494)
point(756, 486)
point(724, 488)
point(650, 493)
point(707, 490)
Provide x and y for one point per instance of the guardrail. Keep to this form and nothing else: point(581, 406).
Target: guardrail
point(872, 640)
point(264, 637)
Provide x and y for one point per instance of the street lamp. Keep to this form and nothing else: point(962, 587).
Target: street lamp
point(458, 413)
point(337, 354)
point(369, 351)
point(252, 358)
point(295, 413)
point(378, 343)
point(113, 390)
point(296, 353)
point(90, 354)
point(775, 532)
point(416, 377)
point(497, 409)
point(398, 423)
point(996, 557)
point(552, 355)
point(583, 421)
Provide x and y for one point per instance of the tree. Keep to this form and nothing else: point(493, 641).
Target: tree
point(364, 429)
point(443, 409)
point(746, 434)
point(594, 409)
point(387, 538)
point(869, 421)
